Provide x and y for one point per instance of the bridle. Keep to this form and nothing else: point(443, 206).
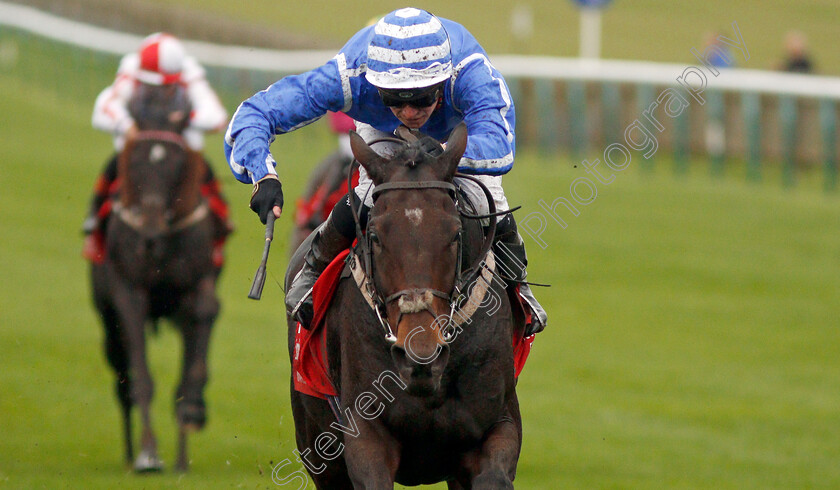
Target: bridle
point(131, 217)
point(461, 304)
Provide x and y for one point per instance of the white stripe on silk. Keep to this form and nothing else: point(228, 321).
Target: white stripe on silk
point(297, 126)
point(341, 60)
point(489, 163)
point(409, 56)
point(237, 168)
point(502, 87)
point(269, 166)
point(397, 76)
point(405, 32)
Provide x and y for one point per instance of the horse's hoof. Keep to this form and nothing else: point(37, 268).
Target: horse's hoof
point(192, 415)
point(147, 463)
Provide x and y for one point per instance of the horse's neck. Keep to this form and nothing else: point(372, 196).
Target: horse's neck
point(187, 189)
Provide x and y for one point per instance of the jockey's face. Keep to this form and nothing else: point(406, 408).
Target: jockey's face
point(413, 107)
point(414, 117)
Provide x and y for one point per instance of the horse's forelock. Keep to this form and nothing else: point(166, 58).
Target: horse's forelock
point(412, 164)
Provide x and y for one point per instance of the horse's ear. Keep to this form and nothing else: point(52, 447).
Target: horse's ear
point(455, 147)
point(369, 159)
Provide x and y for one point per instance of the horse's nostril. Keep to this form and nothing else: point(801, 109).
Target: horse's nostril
point(398, 354)
point(444, 352)
point(404, 359)
point(440, 362)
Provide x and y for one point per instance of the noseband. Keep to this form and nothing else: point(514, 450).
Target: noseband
point(459, 302)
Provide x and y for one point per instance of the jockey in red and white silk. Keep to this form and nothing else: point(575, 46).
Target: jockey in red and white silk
point(160, 60)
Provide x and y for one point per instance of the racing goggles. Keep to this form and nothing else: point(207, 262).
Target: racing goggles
point(419, 98)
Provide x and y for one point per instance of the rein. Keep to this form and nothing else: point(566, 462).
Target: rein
point(462, 306)
point(133, 219)
point(160, 135)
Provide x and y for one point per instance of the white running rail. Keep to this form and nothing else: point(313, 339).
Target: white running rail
point(294, 61)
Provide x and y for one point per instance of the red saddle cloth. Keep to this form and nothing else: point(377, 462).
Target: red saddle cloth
point(310, 365)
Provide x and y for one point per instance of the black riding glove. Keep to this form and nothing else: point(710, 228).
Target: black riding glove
point(267, 194)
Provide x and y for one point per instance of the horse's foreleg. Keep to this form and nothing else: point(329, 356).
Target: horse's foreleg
point(117, 355)
point(189, 398)
point(132, 306)
point(372, 456)
point(494, 464)
point(454, 485)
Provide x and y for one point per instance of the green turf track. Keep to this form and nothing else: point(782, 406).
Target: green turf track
point(693, 339)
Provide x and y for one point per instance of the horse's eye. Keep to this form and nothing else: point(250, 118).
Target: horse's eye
point(374, 238)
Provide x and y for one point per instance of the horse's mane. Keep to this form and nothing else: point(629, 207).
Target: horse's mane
point(415, 164)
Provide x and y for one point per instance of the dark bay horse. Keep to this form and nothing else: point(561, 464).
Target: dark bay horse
point(158, 264)
point(422, 397)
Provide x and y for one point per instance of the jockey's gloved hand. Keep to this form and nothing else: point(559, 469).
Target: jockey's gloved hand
point(431, 146)
point(267, 193)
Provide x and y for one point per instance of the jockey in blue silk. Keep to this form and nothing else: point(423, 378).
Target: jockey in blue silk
point(411, 68)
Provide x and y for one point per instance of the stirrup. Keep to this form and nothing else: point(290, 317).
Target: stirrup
point(297, 312)
point(539, 317)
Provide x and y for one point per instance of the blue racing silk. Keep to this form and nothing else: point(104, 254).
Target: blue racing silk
point(476, 94)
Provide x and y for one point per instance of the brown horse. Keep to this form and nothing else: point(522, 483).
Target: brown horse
point(158, 264)
point(424, 377)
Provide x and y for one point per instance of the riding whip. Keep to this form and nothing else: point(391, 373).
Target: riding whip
point(259, 277)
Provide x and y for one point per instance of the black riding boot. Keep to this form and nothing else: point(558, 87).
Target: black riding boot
point(512, 262)
point(327, 243)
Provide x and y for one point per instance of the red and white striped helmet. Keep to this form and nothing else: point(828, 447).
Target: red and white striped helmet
point(161, 59)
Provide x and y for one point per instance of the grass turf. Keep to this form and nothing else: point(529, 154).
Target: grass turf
point(693, 336)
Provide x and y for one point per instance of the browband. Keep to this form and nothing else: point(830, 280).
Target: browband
point(432, 184)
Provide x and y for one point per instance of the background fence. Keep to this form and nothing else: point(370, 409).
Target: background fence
point(762, 118)
point(765, 119)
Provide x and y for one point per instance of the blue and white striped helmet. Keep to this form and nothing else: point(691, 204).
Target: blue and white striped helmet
point(409, 49)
